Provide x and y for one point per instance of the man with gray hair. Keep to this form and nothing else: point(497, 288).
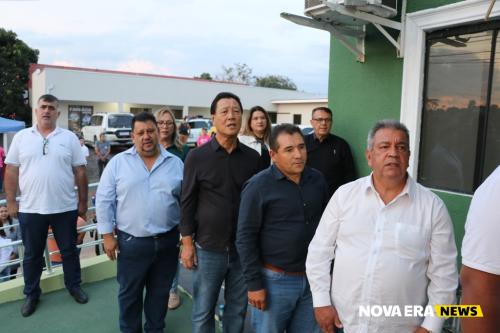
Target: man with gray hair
point(393, 245)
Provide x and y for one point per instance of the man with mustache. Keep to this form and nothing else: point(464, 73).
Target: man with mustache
point(279, 212)
point(392, 240)
point(46, 162)
point(138, 199)
point(214, 174)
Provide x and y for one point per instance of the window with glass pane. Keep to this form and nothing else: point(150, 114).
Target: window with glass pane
point(460, 137)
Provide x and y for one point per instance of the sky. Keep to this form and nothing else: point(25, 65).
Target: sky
point(173, 37)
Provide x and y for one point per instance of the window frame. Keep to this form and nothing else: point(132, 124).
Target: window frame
point(417, 25)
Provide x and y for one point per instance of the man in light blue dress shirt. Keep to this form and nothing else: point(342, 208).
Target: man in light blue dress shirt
point(138, 199)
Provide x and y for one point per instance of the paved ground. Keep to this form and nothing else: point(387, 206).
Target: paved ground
point(185, 278)
point(59, 313)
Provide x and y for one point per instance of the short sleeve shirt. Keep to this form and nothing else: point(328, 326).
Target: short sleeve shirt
point(481, 245)
point(46, 178)
point(103, 146)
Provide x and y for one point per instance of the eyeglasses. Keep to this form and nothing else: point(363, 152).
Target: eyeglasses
point(166, 123)
point(45, 147)
point(323, 120)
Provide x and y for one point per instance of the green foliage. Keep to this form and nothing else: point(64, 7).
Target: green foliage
point(204, 76)
point(275, 81)
point(240, 73)
point(15, 59)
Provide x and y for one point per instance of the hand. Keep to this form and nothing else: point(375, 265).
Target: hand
point(82, 210)
point(327, 317)
point(188, 255)
point(421, 330)
point(110, 246)
point(257, 299)
point(12, 208)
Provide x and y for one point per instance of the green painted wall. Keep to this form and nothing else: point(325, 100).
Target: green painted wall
point(413, 6)
point(362, 93)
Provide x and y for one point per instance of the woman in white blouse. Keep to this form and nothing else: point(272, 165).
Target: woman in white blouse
point(257, 131)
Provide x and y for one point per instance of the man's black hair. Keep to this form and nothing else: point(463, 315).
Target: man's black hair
point(322, 108)
point(143, 117)
point(223, 95)
point(280, 129)
point(48, 98)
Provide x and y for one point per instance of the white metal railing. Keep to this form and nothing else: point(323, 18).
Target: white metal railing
point(90, 227)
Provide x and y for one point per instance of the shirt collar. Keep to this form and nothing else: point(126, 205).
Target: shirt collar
point(163, 152)
point(214, 144)
point(409, 188)
point(278, 175)
point(315, 138)
point(34, 129)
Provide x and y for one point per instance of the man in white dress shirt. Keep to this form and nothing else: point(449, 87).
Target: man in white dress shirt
point(393, 245)
point(480, 275)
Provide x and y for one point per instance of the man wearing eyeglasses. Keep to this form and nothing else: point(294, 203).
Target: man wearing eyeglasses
point(328, 153)
point(46, 162)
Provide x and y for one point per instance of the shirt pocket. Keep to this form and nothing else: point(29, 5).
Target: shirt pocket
point(63, 152)
point(411, 241)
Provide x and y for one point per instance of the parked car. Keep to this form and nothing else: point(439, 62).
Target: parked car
point(196, 124)
point(306, 129)
point(116, 126)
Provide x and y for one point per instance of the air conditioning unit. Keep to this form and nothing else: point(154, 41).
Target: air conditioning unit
point(382, 8)
point(318, 10)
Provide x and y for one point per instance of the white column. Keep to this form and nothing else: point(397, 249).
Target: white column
point(185, 111)
point(120, 107)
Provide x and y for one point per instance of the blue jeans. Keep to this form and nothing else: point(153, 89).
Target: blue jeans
point(5, 274)
point(34, 230)
point(145, 262)
point(213, 269)
point(289, 305)
point(175, 281)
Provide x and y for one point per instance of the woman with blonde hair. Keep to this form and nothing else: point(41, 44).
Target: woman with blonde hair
point(257, 131)
point(169, 138)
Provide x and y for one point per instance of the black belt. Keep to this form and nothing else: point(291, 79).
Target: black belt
point(162, 235)
point(165, 234)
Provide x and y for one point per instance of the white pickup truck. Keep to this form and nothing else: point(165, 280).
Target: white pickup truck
point(116, 126)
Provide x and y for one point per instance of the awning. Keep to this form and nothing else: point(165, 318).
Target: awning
point(9, 125)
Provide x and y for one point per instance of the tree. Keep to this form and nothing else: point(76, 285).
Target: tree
point(15, 59)
point(275, 81)
point(239, 73)
point(204, 76)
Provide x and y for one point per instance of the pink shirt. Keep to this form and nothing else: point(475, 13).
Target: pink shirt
point(202, 139)
point(2, 157)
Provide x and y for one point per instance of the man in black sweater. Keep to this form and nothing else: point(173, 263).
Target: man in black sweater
point(328, 153)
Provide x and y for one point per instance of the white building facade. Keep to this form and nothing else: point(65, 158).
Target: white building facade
point(84, 91)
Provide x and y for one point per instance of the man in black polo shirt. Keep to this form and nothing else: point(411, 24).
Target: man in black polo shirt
point(329, 153)
point(279, 212)
point(214, 175)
